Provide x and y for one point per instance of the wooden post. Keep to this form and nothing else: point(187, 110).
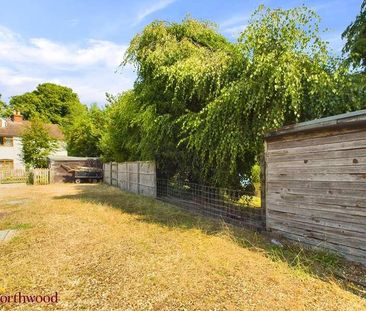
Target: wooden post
point(264, 185)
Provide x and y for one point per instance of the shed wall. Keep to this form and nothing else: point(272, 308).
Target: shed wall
point(316, 189)
point(60, 174)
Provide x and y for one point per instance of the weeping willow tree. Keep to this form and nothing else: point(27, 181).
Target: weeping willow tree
point(181, 68)
point(201, 104)
point(288, 76)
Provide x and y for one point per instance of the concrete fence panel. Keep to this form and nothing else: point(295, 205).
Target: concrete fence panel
point(107, 173)
point(138, 177)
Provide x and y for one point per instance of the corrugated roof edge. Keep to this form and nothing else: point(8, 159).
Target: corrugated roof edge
point(357, 117)
point(67, 158)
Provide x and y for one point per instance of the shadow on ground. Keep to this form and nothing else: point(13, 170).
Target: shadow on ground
point(323, 265)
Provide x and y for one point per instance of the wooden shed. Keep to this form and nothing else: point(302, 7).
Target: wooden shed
point(315, 180)
point(60, 166)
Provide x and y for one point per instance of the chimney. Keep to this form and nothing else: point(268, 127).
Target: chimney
point(17, 117)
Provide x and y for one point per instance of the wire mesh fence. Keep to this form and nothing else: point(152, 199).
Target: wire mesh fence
point(238, 207)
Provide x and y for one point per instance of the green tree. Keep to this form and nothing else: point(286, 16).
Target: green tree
point(120, 139)
point(37, 145)
point(5, 110)
point(201, 105)
point(50, 102)
point(181, 68)
point(84, 133)
point(288, 77)
point(355, 36)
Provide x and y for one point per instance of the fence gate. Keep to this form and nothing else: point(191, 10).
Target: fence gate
point(41, 176)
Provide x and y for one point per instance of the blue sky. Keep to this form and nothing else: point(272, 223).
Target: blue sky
point(79, 43)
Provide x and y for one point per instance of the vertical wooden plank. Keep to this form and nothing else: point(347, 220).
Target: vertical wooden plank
point(263, 166)
point(264, 187)
point(50, 177)
point(309, 194)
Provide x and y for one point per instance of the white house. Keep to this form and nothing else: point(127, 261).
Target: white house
point(11, 143)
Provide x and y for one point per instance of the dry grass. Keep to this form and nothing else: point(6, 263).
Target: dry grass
point(102, 249)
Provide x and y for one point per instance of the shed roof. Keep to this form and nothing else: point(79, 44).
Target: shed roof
point(70, 159)
point(354, 118)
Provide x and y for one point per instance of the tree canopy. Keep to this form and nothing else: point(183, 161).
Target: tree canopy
point(288, 76)
point(202, 104)
point(355, 35)
point(51, 102)
point(84, 132)
point(181, 68)
point(37, 145)
point(4, 109)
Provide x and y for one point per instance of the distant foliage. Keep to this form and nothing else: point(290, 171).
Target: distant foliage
point(5, 110)
point(201, 104)
point(58, 104)
point(256, 173)
point(50, 102)
point(355, 36)
point(37, 145)
point(121, 138)
point(84, 132)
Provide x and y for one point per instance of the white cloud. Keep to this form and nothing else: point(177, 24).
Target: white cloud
point(58, 55)
point(92, 88)
point(234, 31)
point(152, 8)
point(12, 79)
point(234, 20)
point(234, 25)
point(88, 69)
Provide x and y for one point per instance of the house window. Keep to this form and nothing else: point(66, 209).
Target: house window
point(6, 164)
point(6, 141)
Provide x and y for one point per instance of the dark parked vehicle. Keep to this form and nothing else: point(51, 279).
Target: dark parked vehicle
point(84, 173)
point(88, 175)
